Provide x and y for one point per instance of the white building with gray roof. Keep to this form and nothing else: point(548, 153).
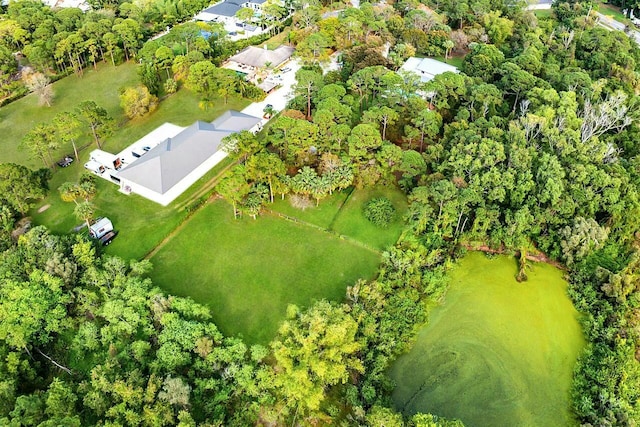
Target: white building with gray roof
point(256, 57)
point(162, 171)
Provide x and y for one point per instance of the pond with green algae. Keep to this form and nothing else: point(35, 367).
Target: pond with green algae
point(496, 352)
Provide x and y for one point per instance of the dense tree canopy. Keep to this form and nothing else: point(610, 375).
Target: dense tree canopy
point(531, 148)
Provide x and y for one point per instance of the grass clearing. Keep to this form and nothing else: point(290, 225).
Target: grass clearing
point(279, 39)
point(141, 223)
point(343, 213)
point(455, 59)
point(102, 86)
point(321, 215)
point(498, 352)
point(248, 270)
point(352, 222)
point(543, 13)
point(614, 12)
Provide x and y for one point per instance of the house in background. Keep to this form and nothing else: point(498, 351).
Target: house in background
point(80, 4)
point(254, 61)
point(426, 68)
point(163, 170)
point(225, 13)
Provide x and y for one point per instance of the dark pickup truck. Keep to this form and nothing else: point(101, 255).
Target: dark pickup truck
point(65, 162)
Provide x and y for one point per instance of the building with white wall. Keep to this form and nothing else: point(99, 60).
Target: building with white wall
point(166, 162)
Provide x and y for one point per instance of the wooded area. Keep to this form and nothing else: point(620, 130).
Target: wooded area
point(532, 147)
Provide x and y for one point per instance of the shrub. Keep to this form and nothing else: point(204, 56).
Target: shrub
point(379, 211)
point(137, 101)
point(300, 201)
point(170, 86)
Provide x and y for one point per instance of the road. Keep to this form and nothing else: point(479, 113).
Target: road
point(280, 96)
point(604, 21)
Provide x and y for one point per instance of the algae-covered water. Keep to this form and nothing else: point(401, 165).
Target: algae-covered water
point(497, 352)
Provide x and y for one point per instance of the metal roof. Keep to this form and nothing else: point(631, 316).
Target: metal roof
point(173, 159)
point(235, 121)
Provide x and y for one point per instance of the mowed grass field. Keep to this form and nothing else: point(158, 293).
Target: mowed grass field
point(497, 352)
point(141, 223)
point(343, 214)
point(248, 271)
point(352, 222)
point(102, 86)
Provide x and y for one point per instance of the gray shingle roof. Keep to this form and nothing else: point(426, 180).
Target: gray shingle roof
point(259, 57)
point(226, 8)
point(235, 121)
point(173, 159)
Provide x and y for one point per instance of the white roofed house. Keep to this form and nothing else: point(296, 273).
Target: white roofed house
point(163, 170)
point(426, 68)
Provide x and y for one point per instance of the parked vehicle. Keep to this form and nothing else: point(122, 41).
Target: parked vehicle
point(101, 227)
point(66, 161)
point(286, 69)
point(103, 231)
point(95, 167)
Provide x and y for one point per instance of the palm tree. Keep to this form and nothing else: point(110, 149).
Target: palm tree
point(85, 211)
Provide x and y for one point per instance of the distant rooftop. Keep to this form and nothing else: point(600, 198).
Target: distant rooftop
point(427, 68)
point(260, 57)
point(226, 8)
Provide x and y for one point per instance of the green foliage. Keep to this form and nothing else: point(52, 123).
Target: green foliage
point(314, 350)
point(20, 187)
point(380, 211)
point(137, 101)
point(533, 146)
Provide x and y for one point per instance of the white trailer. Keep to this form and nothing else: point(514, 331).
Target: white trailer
point(100, 228)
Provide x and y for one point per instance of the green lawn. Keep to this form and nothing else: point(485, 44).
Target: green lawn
point(343, 214)
point(352, 222)
point(279, 39)
point(248, 270)
point(543, 13)
point(455, 60)
point(613, 12)
point(498, 352)
point(322, 215)
point(101, 86)
point(141, 223)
